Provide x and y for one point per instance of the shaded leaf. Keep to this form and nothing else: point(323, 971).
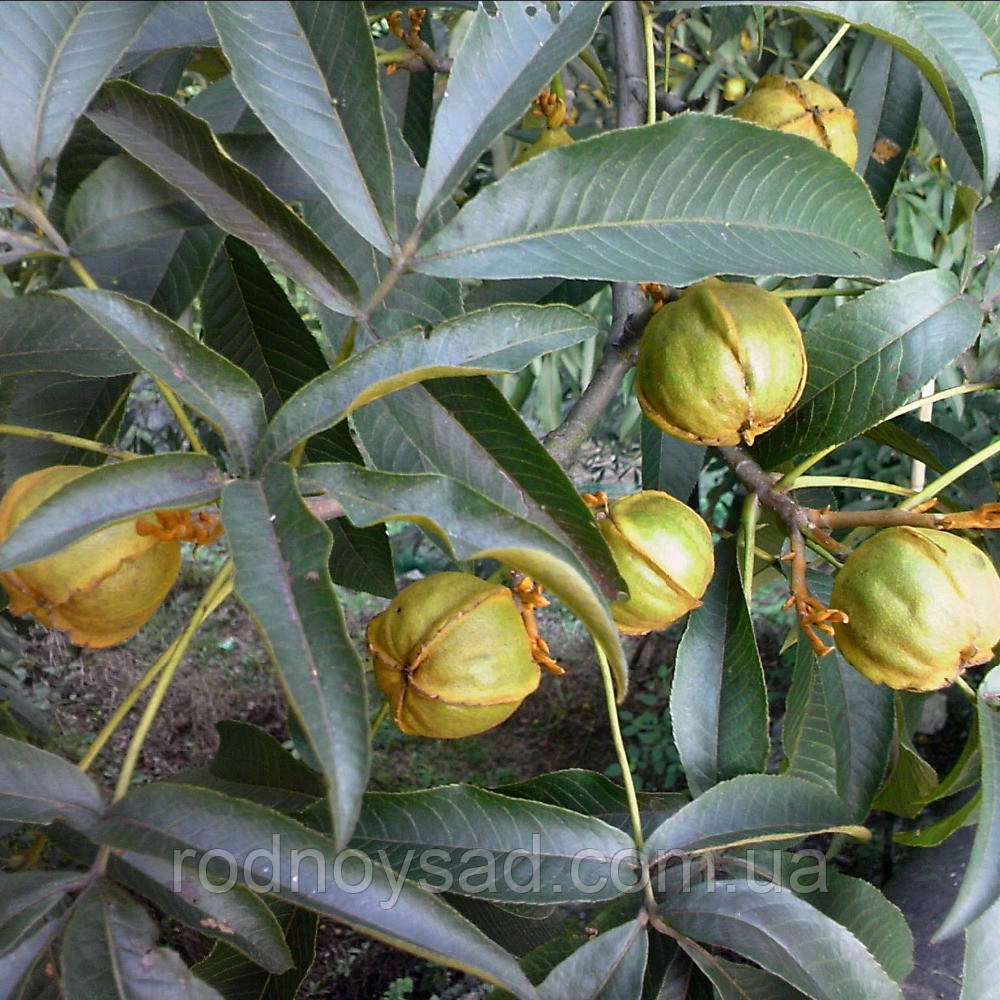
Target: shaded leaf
point(17, 965)
point(474, 528)
point(937, 833)
point(109, 951)
point(671, 203)
point(886, 102)
point(979, 979)
point(871, 355)
point(783, 934)
point(182, 150)
point(980, 888)
point(24, 890)
point(183, 893)
point(155, 819)
point(209, 383)
point(247, 318)
point(322, 53)
point(718, 700)
point(596, 795)
point(281, 553)
point(498, 339)
point(249, 754)
point(669, 463)
point(734, 981)
point(466, 840)
point(47, 333)
point(237, 978)
point(186, 270)
point(108, 494)
point(121, 203)
point(57, 55)
point(611, 966)
point(37, 787)
point(747, 809)
point(504, 61)
point(912, 782)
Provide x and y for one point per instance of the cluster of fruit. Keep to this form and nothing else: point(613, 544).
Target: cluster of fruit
point(455, 655)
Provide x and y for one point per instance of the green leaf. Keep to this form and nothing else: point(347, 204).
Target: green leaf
point(46, 333)
point(209, 383)
point(122, 203)
point(57, 55)
point(183, 151)
point(235, 914)
point(109, 951)
point(748, 809)
point(158, 818)
point(474, 528)
point(17, 965)
point(185, 269)
point(735, 981)
point(87, 407)
point(838, 728)
point(668, 463)
point(980, 887)
point(498, 339)
point(237, 978)
point(886, 102)
point(595, 795)
point(718, 700)
point(321, 53)
point(986, 15)
point(855, 904)
point(37, 787)
point(250, 755)
point(469, 841)
point(506, 58)
point(610, 966)
point(948, 47)
point(912, 782)
point(979, 979)
point(665, 203)
point(937, 833)
point(783, 934)
point(247, 318)
point(108, 494)
point(22, 891)
point(281, 553)
point(870, 356)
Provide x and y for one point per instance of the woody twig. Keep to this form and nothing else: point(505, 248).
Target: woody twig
point(422, 57)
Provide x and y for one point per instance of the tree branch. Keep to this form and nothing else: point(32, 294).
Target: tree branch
point(628, 314)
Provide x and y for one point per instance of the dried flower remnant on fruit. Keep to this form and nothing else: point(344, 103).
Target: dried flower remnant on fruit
point(663, 550)
point(452, 656)
point(723, 363)
point(923, 605)
point(99, 590)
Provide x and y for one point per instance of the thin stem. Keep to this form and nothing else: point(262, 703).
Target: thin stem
point(76, 266)
point(379, 718)
point(816, 293)
point(70, 440)
point(936, 486)
point(179, 414)
point(804, 466)
point(647, 33)
point(849, 482)
point(124, 708)
point(616, 738)
point(830, 46)
point(958, 390)
point(557, 86)
point(397, 269)
point(963, 685)
point(218, 590)
point(748, 524)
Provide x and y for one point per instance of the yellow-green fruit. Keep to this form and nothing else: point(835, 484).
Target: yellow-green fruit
point(551, 138)
point(802, 107)
point(734, 88)
point(663, 550)
point(101, 589)
point(922, 606)
point(723, 362)
point(452, 656)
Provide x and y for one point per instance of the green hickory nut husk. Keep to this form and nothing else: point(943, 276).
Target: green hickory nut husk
point(802, 107)
point(452, 656)
point(922, 606)
point(723, 363)
point(663, 550)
